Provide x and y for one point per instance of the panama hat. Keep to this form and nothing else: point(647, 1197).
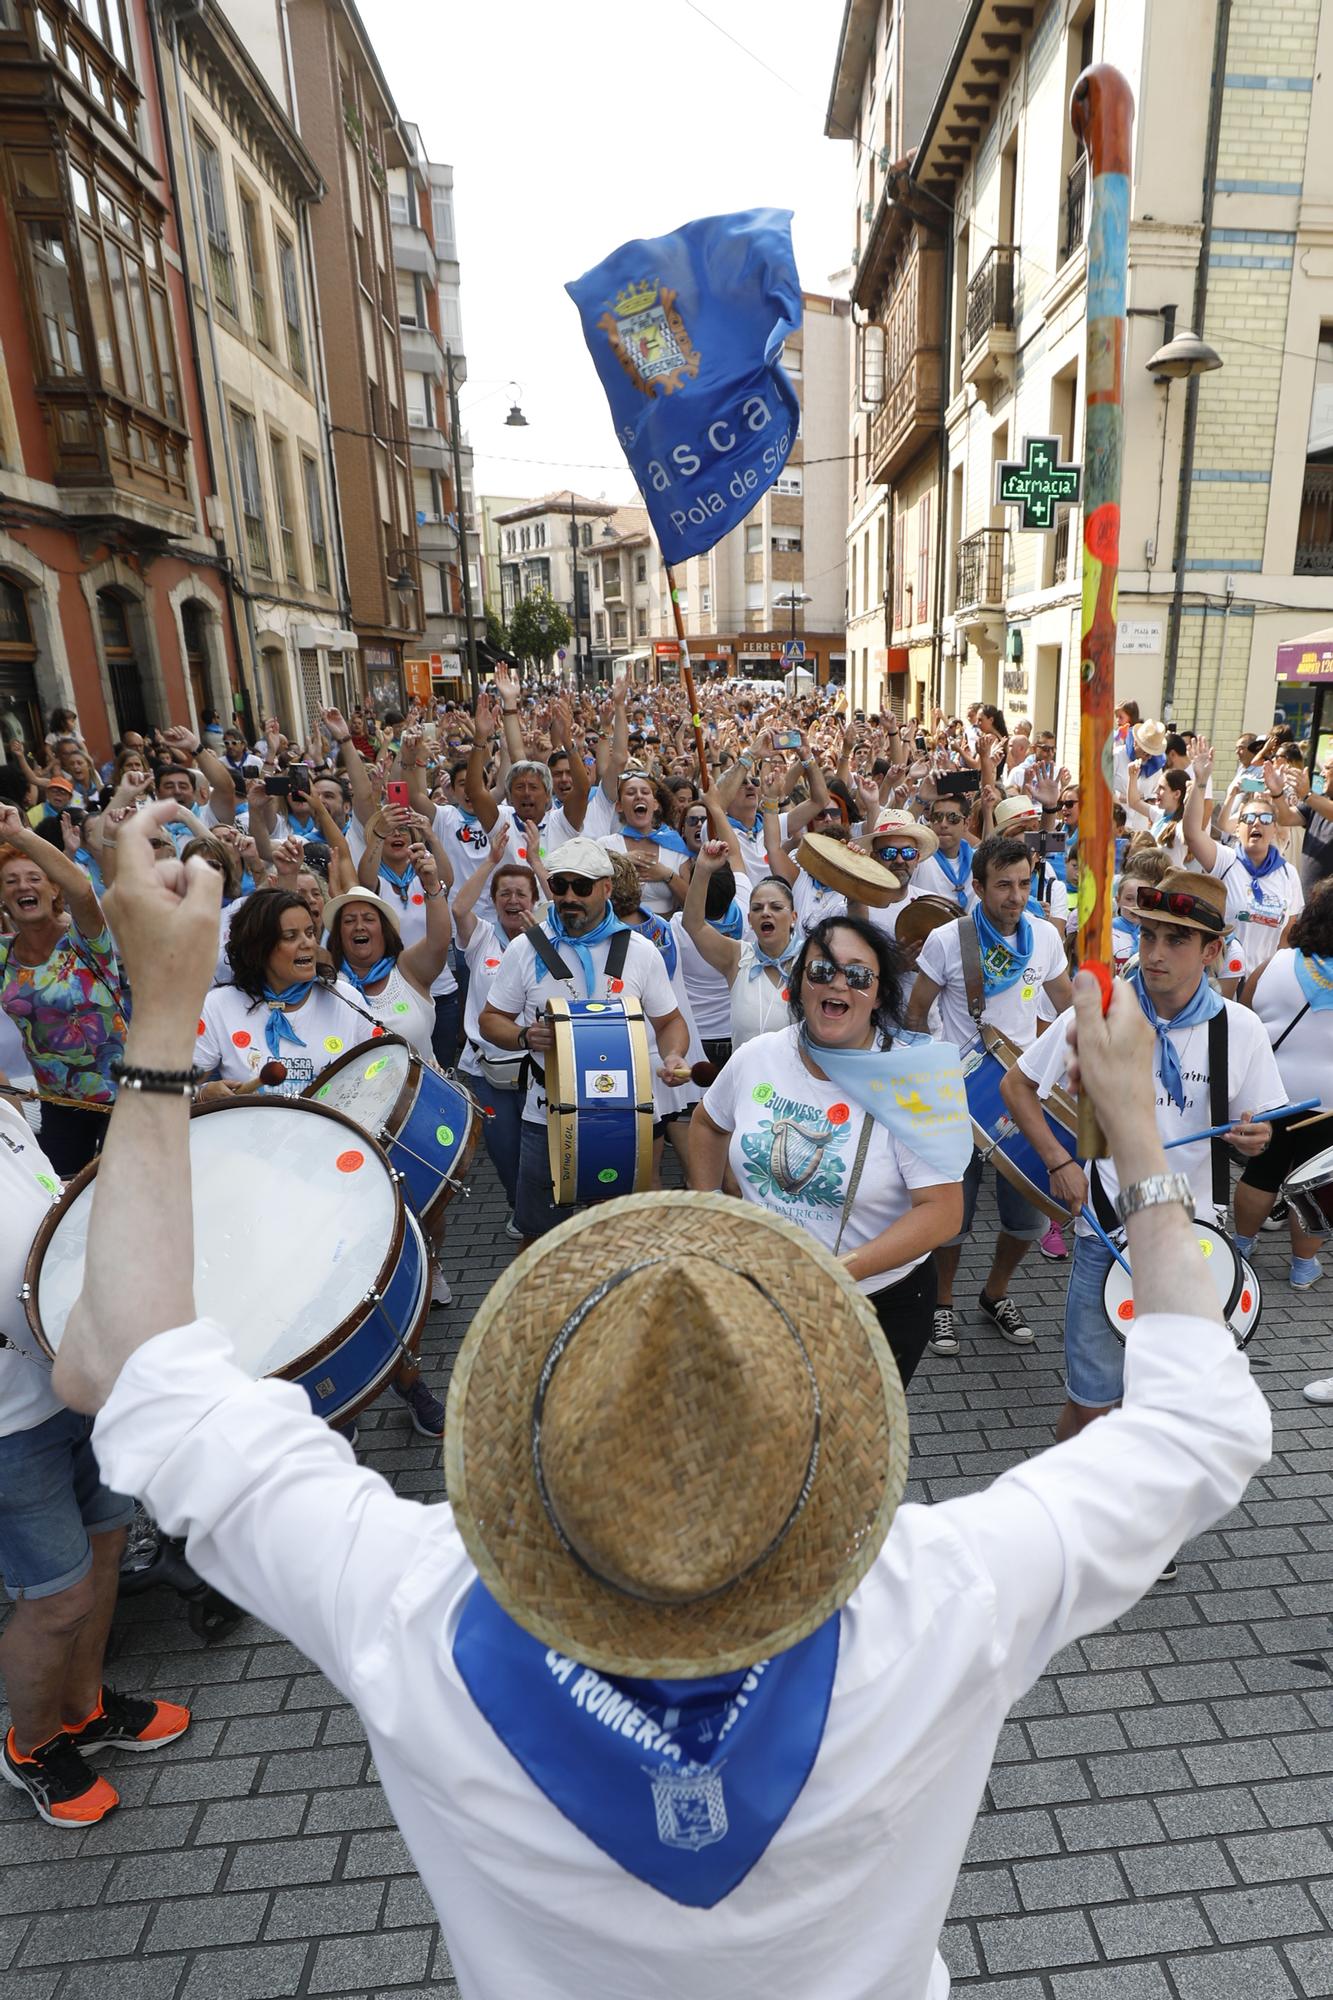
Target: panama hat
point(336, 904)
point(617, 1375)
point(893, 821)
point(1016, 810)
point(1149, 738)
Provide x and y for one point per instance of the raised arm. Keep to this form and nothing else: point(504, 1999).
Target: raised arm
point(221, 784)
point(722, 953)
point(474, 781)
point(618, 755)
point(358, 779)
point(423, 962)
point(507, 681)
point(779, 860)
point(57, 866)
point(1197, 837)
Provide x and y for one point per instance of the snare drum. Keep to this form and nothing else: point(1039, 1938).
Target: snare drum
point(304, 1251)
point(995, 1133)
point(428, 1125)
point(1225, 1268)
point(599, 1100)
point(1308, 1192)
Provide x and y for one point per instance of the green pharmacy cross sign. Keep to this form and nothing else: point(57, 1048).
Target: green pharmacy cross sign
point(1038, 483)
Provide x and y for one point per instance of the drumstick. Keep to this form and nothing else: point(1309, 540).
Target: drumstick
point(1096, 1226)
point(703, 1073)
point(1265, 1118)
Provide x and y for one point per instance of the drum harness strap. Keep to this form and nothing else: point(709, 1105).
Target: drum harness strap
point(969, 950)
point(540, 940)
point(1218, 1094)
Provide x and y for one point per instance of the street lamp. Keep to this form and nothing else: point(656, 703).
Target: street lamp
point(792, 600)
point(516, 421)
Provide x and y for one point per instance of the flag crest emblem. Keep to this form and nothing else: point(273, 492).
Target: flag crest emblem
point(649, 338)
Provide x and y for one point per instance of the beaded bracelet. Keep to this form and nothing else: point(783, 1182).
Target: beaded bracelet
point(157, 1082)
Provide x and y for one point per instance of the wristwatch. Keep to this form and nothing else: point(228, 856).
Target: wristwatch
point(523, 1038)
point(1151, 1192)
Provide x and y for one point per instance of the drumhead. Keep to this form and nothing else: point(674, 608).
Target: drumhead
point(1220, 1258)
point(365, 1083)
point(296, 1218)
point(1316, 1172)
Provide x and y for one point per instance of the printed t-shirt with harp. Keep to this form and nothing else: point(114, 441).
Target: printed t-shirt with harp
point(522, 987)
point(1014, 1011)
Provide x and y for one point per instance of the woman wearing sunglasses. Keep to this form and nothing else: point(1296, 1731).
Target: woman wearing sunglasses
point(793, 1143)
point(1263, 891)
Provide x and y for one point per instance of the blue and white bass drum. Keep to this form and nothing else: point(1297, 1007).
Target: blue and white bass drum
point(599, 1100)
point(997, 1137)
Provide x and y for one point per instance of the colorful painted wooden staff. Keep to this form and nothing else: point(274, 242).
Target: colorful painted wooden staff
point(1102, 113)
point(687, 675)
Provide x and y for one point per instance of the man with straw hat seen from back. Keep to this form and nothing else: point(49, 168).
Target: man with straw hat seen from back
point(666, 1695)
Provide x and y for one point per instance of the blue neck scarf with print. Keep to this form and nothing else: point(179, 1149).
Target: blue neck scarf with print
point(361, 980)
point(682, 1783)
point(1207, 1001)
point(761, 962)
point(1256, 870)
point(579, 945)
point(278, 1029)
point(658, 836)
point(1002, 964)
point(959, 870)
point(1314, 976)
point(731, 923)
point(661, 935)
point(400, 884)
point(755, 832)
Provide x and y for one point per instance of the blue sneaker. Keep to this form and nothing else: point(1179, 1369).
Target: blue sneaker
point(425, 1409)
point(1305, 1271)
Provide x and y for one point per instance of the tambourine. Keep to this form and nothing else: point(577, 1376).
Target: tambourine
point(924, 914)
point(859, 877)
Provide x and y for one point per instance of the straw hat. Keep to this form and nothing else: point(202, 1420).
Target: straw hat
point(891, 820)
point(337, 903)
point(1205, 889)
point(1149, 738)
point(616, 1377)
point(1017, 810)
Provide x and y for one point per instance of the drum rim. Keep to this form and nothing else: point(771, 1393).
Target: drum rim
point(559, 1011)
point(358, 1049)
point(850, 886)
point(929, 899)
point(1006, 1052)
point(1294, 1179)
point(401, 1110)
point(55, 1214)
point(348, 1412)
point(1118, 1237)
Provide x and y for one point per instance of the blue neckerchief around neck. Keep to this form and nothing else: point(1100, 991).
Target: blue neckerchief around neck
point(278, 1029)
point(608, 927)
point(1256, 871)
point(959, 870)
point(754, 832)
point(400, 884)
point(660, 836)
point(361, 980)
point(1207, 1001)
point(682, 1783)
point(1002, 964)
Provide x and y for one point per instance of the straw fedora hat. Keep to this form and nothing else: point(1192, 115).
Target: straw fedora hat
point(1016, 810)
point(1201, 890)
point(893, 821)
point(337, 904)
point(618, 1376)
point(1149, 738)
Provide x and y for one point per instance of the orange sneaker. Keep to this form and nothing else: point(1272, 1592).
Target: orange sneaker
point(126, 1722)
point(59, 1783)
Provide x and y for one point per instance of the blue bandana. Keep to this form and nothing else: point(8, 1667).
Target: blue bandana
point(732, 923)
point(1256, 870)
point(662, 936)
point(400, 884)
point(361, 980)
point(278, 1029)
point(1207, 1001)
point(608, 927)
point(1314, 976)
point(1001, 965)
point(661, 836)
point(958, 871)
point(783, 963)
point(682, 1783)
point(754, 832)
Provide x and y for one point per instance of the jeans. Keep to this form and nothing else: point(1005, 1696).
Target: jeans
point(1094, 1358)
point(501, 1132)
point(535, 1210)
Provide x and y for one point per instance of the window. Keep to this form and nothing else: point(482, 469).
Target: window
point(923, 559)
point(252, 493)
point(215, 221)
point(599, 627)
point(282, 493)
point(786, 541)
point(754, 596)
point(252, 244)
point(399, 210)
point(706, 599)
point(121, 260)
point(442, 222)
point(451, 313)
point(54, 298)
point(790, 481)
point(791, 358)
point(314, 514)
point(619, 625)
point(641, 623)
point(419, 411)
point(585, 534)
point(291, 305)
point(103, 17)
point(898, 527)
point(641, 569)
point(754, 538)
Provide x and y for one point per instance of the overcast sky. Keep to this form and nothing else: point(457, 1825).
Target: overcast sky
point(571, 130)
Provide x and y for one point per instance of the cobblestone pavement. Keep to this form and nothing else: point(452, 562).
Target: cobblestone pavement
point(1154, 1824)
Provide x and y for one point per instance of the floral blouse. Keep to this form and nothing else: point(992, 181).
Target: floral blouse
point(70, 1013)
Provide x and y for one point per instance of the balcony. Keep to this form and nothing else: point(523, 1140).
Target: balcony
point(913, 371)
point(413, 250)
point(1076, 199)
point(1314, 537)
point(428, 447)
point(979, 577)
point(422, 353)
point(988, 336)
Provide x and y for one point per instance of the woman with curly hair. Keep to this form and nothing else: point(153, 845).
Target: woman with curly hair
point(784, 1132)
point(278, 1007)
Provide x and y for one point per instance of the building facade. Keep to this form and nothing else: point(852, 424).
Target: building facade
point(113, 595)
point(1226, 526)
point(547, 545)
point(490, 508)
point(247, 186)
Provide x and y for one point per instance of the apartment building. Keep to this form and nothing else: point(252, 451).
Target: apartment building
point(548, 544)
point(247, 186)
point(491, 507)
point(113, 593)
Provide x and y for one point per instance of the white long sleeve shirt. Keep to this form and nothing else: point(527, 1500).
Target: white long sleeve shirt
point(964, 1607)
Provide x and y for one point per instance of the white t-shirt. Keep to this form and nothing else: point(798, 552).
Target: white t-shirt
point(794, 1140)
point(814, 902)
point(1014, 1011)
point(482, 955)
point(465, 842)
point(517, 990)
point(1258, 921)
point(654, 896)
point(28, 1188)
point(410, 915)
point(754, 852)
point(1253, 1085)
point(1305, 1058)
point(231, 1038)
point(709, 994)
point(929, 879)
point(602, 816)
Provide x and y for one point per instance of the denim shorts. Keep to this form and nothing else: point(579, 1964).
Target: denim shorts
point(1094, 1358)
point(51, 1499)
point(1018, 1218)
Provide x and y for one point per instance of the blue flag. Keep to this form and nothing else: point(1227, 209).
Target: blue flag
point(686, 332)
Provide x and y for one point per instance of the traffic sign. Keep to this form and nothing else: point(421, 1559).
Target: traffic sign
point(560, 652)
point(793, 653)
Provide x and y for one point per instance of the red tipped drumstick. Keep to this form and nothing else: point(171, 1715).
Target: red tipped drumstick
point(273, 1073)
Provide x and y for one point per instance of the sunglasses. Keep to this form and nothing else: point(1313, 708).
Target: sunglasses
point(895, 853)
point(1067, 805)
point(1179, 903)
point(1256, 819)
point(695, 819)
point(823, 972)
point(946, 819)
point(571, 885)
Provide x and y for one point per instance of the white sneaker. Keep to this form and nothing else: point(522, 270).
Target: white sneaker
point(1320, 1392)
point(440, 1295)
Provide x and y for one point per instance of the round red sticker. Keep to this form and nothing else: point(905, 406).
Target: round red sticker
point(785, 994)
point(1125, 1310)
point(522, 853)
point(200, 1030)
point(376, 1032)
point(615, 985)
point(490, 963)
point(418, 898)
point(348, 1163)
point(241, 1039)
point(838, 1114)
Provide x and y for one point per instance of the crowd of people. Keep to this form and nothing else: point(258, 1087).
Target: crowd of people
point(840, 887)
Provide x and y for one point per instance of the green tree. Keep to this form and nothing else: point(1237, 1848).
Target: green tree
point(538, 627)
point(497, 633)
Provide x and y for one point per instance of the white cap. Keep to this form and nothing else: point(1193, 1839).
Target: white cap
point(581, 856)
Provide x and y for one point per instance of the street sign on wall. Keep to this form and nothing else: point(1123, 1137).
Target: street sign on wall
point(1037, 484)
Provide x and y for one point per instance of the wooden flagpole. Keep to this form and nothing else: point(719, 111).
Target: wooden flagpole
point(1102, 114)
point(687, 675)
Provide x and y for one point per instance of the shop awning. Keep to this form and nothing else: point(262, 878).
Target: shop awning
point(1309, 659)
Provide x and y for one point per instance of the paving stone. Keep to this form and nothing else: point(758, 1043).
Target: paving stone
point(1262, 1715)
point(225, 1777)
point(134, 1979)
point(1110, 1691)
point(331, 1812)
point(1124, 1824)
point(240, 1698)
point(1282, 1911)
point(191, 1871)
point(273, 1864)
point(1175, 1723)
point(1017, 1944)
point(407, 1903)
point(1311, 1960)
point(52, 1885)
point(1277, 1857)
point(1076, 1735)
point(1300, 1802)
point(260, 1972)
point(1141, 1930)
point(1302, 1754)
point(148, 1829)
point(205, 1920)
point(1038, 1784)
point(304, 1770)
point(1233, 1763)
point(393, 1958)
point(1069, 1883)
point(1229, 1975)
point(1112, 1982)
point(251, 1819)
point(325, 1912)
point(82, 1934)
point(1190, 1864)
point(379, 1854)
point(1150, 1771)
point(295, 1730)
point(959, 1952)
